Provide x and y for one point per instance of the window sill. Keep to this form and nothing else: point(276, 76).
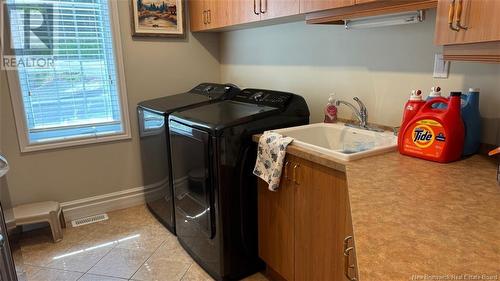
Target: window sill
point(74, 142)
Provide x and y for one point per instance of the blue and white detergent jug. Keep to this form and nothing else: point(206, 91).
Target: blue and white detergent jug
point(472, 121)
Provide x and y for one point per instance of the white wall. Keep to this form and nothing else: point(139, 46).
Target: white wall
point(153, 68)
point(380, 65)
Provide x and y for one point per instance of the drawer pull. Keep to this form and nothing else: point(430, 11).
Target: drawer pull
point(451, 15)
point(459, 15)
point(295, 180)
point(255, 7)
point(347, 264)
point(205, 17)
point(261, 6)
point(285, 173)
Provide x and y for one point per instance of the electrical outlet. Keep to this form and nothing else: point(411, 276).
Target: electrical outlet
point(441, 67)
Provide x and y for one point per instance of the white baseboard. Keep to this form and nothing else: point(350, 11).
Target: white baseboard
point(112, 201)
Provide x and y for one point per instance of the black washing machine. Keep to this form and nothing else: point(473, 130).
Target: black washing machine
point(155, 143)
point(215, 191)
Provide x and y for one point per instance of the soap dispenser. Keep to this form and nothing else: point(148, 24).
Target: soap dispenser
point(331, 110)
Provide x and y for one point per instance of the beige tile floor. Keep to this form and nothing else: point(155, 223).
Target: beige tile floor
point(131, 245)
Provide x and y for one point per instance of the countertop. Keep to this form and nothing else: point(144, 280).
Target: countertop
point(419, 220)
point(413, 218)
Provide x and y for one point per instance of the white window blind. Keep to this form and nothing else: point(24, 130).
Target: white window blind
point(78, 96)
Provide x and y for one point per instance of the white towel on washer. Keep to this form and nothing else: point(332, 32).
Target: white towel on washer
point(270, 157)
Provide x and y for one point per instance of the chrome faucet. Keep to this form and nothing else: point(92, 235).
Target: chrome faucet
point(361, 115)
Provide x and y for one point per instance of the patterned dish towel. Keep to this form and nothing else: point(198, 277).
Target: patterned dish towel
point(270, 158)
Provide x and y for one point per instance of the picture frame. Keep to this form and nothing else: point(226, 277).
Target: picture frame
point(158, 18)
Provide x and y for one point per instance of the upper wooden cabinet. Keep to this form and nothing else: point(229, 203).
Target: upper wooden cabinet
point(367, 8)
point(213, 14)
point(303, 225)
point(467, 21)
point(469, 30)
point(197, 17)
point(279, 8)
point(216, 14)
point(243, 11)
point(307, 6)
point(208, 14)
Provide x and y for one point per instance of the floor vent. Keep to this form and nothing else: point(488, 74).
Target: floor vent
point(89, 220)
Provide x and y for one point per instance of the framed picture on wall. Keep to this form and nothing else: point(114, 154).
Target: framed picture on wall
point(158, 18)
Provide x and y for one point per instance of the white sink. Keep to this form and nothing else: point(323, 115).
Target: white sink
point(341, 142)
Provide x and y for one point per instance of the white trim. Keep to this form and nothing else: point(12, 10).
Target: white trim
point(20, 115)
point(75, 142)
point(120, 69)
point(112, 201)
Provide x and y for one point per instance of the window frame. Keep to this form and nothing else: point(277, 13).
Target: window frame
point(20, 113)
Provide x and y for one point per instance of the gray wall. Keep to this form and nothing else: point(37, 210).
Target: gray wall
point(380, 65)
point(153, 68)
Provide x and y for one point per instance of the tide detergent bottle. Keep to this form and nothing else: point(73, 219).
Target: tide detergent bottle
point(435, 134)
point(412, 106)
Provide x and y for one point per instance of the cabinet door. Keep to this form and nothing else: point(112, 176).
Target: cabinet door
point(217, 13)
point(307, 6)
point(479, 16)
point(279, 8)
point(320, 228)
point(350, 257)
point(276, 219)
point(197, 15)
point(243, 11)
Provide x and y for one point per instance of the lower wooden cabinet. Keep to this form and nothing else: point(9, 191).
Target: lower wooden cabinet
point(276, 226)
point(303, 225)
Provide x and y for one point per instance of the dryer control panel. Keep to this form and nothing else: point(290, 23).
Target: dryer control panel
point(213, 90)
point(264, 97)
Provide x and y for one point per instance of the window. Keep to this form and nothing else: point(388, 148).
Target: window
point(78, 96)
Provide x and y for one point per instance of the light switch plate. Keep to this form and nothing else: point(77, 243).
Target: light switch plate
point(441, 67)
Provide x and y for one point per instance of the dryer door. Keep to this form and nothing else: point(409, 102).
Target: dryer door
point(193, 189)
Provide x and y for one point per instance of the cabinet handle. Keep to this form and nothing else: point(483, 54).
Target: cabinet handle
point(346, 242)
point(347, 264)
point(295, 180)
point(209, 16)
point(285, 174)
point(255, 7)
point(459, 15)
point(451, 15)
point(204, 17)
point(261, 6)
